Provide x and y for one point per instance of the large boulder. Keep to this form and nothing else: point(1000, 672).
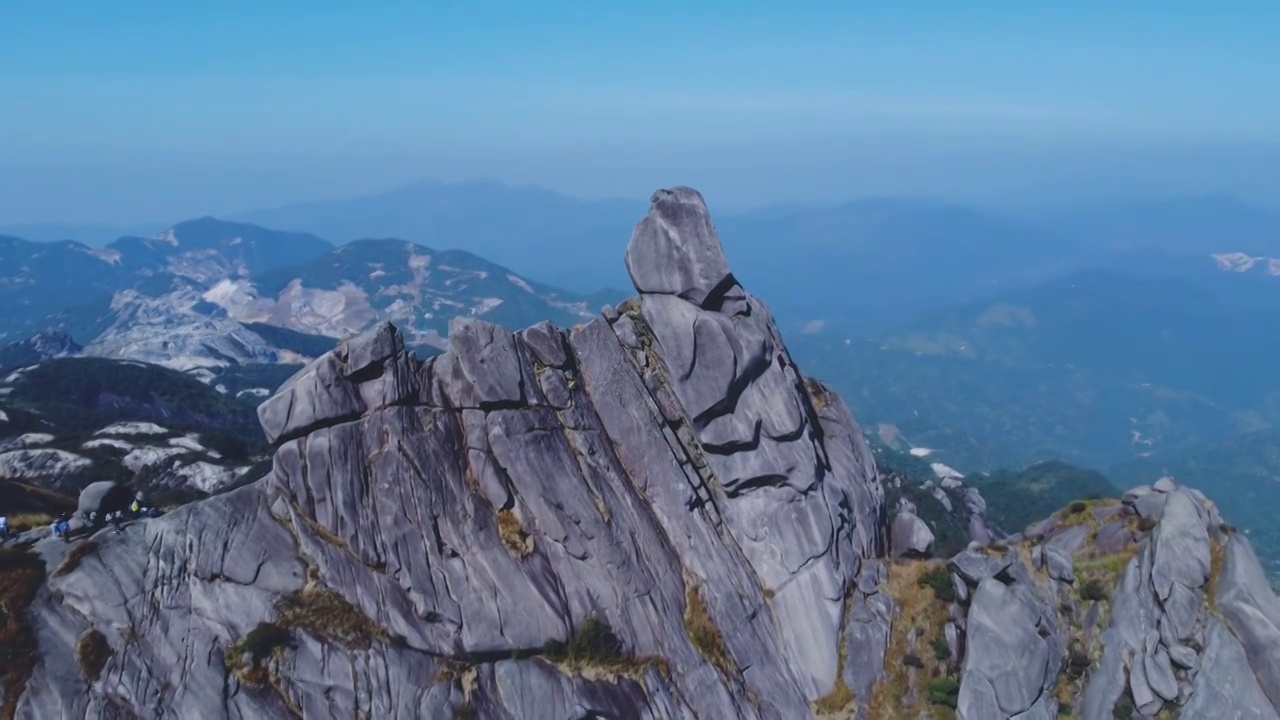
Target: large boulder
point(104, 497)
point(675, 250)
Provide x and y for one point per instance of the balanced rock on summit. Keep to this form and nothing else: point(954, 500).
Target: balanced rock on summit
point(675, 249)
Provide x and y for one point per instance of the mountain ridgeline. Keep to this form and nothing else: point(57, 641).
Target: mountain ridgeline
point(654, 514)
point(210, 293)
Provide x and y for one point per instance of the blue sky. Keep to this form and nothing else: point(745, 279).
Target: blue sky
point(125, 110)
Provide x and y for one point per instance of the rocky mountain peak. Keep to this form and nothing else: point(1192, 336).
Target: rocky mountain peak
point(49, 343)
point(654, 514)
point(675, 250)
point(45, 344)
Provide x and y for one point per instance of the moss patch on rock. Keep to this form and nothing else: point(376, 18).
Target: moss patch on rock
point(703, 631)
point(324, 613)
point(92, 654)
point(513, 534)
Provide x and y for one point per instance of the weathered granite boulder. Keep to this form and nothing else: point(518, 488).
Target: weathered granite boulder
point(910, 536)
point(1163, 648)
point(675, 250)
point(1012, 654)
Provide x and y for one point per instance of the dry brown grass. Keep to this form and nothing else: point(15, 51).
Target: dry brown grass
point(324, 613)
point(23, 522)
point(602, 508)
point(918, 608)
point(78, 552)
point(703, 631)
point(21, 575)
point(513, 535)
point(1217, 553)
point(92, 653)
point(817, 394)
point(838, 703)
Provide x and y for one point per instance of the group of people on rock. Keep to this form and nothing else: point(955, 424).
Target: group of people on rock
point(61, 526)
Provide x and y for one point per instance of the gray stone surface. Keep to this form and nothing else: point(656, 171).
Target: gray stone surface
point(1159, 618)
point(1058, 564)
point(1225, 688)
point(910, 536)
point(664, 462)
point(974, 566)
point(1252, 611)
point(866, 633)
point(675, 249)
point(1008, 663)
point(496, 497)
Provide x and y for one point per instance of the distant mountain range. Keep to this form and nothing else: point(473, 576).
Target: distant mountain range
point(540, 233)
point(1127, 338)
point(199, 294)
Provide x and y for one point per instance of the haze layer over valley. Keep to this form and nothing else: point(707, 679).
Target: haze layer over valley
point(351, 364)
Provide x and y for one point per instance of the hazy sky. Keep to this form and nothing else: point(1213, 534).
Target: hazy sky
point(133, 110)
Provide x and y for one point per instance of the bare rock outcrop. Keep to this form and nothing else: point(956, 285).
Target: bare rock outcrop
point(653, 515)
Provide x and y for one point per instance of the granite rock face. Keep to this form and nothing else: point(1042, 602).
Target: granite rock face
point(1165, 647)
point(433, 533)
point(652, 515)
point(1114, 623)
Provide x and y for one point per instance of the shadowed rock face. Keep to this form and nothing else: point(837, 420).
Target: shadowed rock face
point(652, 515)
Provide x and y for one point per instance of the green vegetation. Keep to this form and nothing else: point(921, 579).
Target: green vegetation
point(950, 529)
point(324, 613)
point(594, 643)
point(245, 656)
point(944, 691)
point(1092, 590)
point(938, 579)
point(1018, 499)
point(595, 646)
point(314, 609)
point(941, 651)
point(911, 585)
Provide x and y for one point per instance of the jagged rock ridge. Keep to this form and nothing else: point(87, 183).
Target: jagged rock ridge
point(665, 470)
point(652, 515)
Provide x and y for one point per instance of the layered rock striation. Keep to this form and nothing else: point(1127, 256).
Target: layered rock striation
point(433, 535)
point(654, 514)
